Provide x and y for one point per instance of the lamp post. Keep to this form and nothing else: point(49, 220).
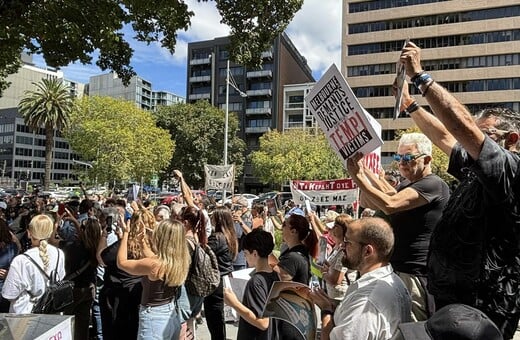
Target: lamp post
point(226, 122)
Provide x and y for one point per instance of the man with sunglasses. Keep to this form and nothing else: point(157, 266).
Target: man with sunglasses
point(413, 208)
point(474, 253)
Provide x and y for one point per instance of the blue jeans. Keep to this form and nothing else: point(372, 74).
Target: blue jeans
point(159, 322)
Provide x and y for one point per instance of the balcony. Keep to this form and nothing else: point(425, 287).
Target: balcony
point(258, 129)
point(292, 125)
point(196, 96)
point(200, 79)
point(259, 111)
point(260, 74)
point(201, 61)
point(263, 92)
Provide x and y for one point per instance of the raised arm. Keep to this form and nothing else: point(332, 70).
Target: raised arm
point(185, 189)
point(454, 116)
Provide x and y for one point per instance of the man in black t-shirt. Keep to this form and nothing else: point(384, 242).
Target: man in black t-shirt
point(413, 209)
point(474, 255)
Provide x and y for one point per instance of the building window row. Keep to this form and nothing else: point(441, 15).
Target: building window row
point(24, 140)
point(61, 145)
point(439, 64)
point(6, 151)
point(232, 106)
point(259, 123)
point(200, 54)
point(458, 86)
point(23, 152)
point(234, 71)
point(386, 113)
point(437, 42)
point(439, 19)
point(259, 104)
point(375, 5)
point(6, 139)
point(6, 128)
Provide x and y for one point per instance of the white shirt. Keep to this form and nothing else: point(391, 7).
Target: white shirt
point(373, 307)
point(23, 277)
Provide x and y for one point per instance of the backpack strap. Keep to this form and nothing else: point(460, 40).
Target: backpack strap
point(38, 266)
point(77, 272)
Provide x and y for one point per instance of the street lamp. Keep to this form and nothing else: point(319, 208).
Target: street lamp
point(226, 122)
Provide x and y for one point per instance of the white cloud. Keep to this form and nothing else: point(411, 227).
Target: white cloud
point(316, 33)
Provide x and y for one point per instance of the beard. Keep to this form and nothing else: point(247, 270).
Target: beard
point(351, 262)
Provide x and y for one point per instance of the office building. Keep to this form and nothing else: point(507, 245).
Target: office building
point(256, 95)
point(470, 47)
point(22, 151)
point(138, 90)
point(164, 98)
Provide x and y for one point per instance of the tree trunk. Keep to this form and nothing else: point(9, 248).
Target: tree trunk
point(49, 143)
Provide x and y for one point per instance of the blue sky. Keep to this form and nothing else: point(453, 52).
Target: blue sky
point(315, 31)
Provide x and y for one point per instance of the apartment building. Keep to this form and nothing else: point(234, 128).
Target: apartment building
point(470, 47)
point(256, 95)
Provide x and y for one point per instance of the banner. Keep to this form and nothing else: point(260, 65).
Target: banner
point(220, 177)
point(341, 117)
point(327, 192)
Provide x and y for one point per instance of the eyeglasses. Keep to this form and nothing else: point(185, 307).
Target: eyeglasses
point(407, 157)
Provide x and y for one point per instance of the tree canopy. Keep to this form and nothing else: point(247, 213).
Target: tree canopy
point(121, 141)
point(48, 106)
point(198, 130)
point(71, 30)
point(295, 154)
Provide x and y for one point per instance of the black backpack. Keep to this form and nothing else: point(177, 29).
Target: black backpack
point(58, 294)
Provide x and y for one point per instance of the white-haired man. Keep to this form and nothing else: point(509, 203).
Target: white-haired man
point(413, 208)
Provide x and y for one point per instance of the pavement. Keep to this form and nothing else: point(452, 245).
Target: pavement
point(202, 332)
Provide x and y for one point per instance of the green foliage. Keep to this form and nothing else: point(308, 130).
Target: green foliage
point(254, 25)
point(71, 30)
point(120, 140)
point(48, 106)
point(440, 159)
point(295, 154)
point(198, 130)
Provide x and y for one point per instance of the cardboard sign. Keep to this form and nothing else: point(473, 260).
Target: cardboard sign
point(327, 192)
point(220, 177)
point(341, 117)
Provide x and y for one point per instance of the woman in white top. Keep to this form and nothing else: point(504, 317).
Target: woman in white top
point(25, 283)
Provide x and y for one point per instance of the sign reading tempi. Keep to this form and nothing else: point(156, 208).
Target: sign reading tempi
point(348, 127)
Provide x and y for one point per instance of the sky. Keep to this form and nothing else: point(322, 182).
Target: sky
point(315, 31)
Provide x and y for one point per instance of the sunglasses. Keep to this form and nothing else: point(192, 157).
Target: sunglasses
point(408, 157)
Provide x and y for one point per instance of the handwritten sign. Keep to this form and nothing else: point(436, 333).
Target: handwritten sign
point(341, 117)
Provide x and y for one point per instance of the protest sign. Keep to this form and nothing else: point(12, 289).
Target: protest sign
point(341, 117)
point(326, 192)
point(400, 78)
point(289, 301)
point(219, 177)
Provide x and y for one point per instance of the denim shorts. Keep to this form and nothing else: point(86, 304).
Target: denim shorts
point(159, 322)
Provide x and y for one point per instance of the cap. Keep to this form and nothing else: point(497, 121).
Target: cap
point(3, 205)
point(295, 211)
point(455, 321)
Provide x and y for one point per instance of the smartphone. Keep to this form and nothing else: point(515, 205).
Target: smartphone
point(271, 207)
point(308, 206)
point(109, 221)
point(61, 209)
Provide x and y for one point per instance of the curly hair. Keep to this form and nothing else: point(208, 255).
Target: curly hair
point(142, 221)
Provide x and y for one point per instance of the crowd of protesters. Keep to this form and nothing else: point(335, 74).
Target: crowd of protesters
point(417, 264)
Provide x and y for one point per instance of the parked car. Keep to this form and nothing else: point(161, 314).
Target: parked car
point(280, 198)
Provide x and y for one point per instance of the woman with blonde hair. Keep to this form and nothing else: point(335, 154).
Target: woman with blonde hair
point(163, 274)
point(25, 283)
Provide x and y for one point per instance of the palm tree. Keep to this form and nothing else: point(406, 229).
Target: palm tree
point(49, 106)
